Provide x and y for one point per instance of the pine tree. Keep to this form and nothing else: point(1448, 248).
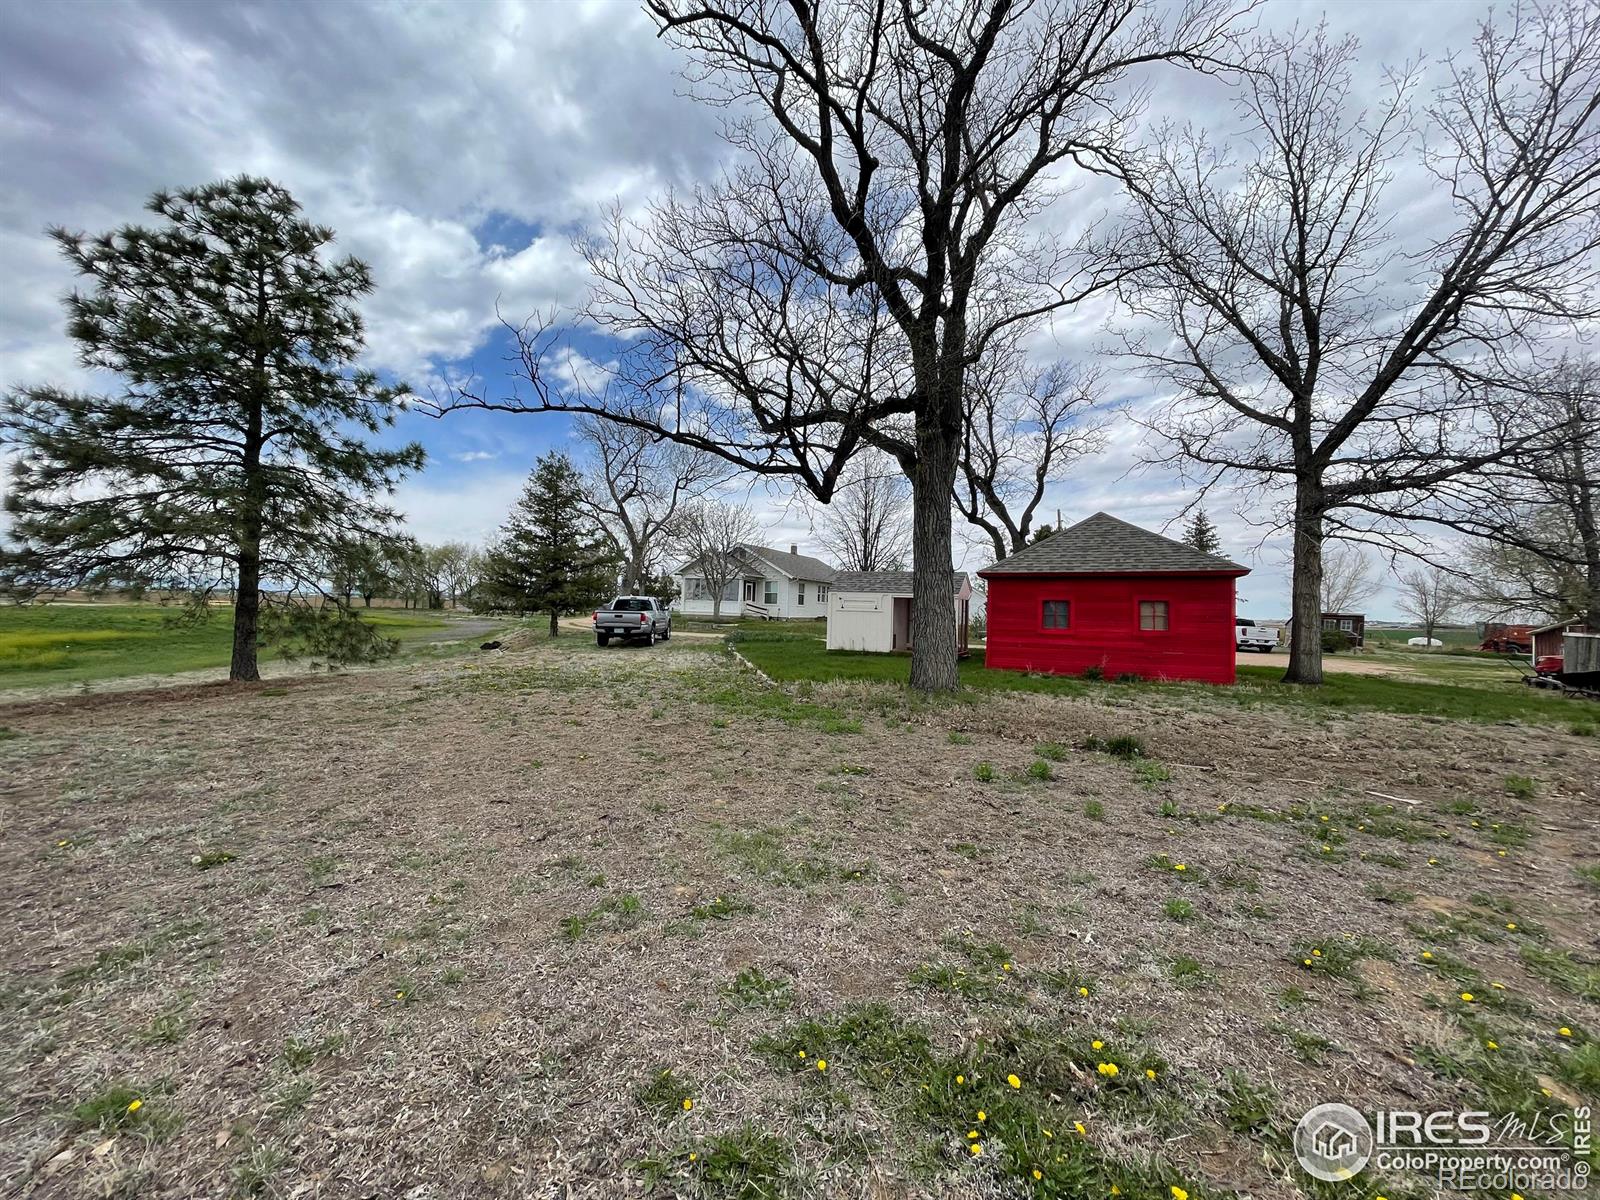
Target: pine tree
point(1202, 534)
point(230, 456)
point(550, 558)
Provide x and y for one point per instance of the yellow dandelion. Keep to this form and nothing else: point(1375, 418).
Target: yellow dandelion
point(982, 1116)
point(135, 1105)
point(1501, 853)
point(1511, 924)
point(1177, 1192)
point(1316, 954)
point(1083, 991)
point(1005, 966)
point(1499, 987)
point(1109, 1070)
point(1180, 867)
point(1082, 1132)
point(1047, 1133)
point(961, 1078)
point(1149, 1074)
point(822, 1064)
point(687, 1104)
point(975, 1147)
point(1492, 1044)
point(1428, 954)
point(1038, 1174)
point(1467, 996)
point(693, 1157)
point(1514, 1196)
point(1564, 1031)
point(1096, 1044)
point(1324, 817)
point(1013, 1081)
point(972, 1133)
point(1115, 1190)
point(1307, 961)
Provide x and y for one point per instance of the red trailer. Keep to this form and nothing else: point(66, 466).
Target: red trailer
point(1109, 597)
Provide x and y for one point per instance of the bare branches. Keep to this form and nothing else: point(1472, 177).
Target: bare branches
point(865, 527)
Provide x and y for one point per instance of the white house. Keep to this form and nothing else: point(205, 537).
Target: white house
point(871, 610)
point(767, 583)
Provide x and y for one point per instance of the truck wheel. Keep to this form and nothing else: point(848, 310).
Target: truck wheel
point(602, 639)
point(666, 634)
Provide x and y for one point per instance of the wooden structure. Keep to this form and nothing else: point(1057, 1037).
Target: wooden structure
point(1107, 596)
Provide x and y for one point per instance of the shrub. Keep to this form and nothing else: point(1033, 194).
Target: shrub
point(1335, 641)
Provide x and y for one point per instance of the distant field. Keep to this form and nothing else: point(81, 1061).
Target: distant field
point(1450, 637)
point(54, 643)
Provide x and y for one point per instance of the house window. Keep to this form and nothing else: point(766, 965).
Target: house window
point(1056, 614)
point(771, 592)
point(800, 599)
point(1152, 614)
point(822, 593)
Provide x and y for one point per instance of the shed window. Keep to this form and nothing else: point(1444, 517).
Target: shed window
point(1152, 614)
point(822, 593)
point(1056, 614)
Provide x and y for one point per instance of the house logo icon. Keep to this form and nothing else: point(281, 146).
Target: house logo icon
point(1333, 1142)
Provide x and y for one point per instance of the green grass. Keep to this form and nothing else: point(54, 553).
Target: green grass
point(795, 655)
point(76, 643)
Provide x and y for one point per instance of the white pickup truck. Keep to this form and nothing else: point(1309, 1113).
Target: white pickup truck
point(1247, 635)
point(633, 617)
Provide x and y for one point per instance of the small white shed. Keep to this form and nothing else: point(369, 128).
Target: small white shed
point(871, 610)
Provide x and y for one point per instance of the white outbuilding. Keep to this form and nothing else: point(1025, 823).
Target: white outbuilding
point(871, 610)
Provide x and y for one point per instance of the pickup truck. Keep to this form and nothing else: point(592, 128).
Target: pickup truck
point(633, 617)
point(1247, 635)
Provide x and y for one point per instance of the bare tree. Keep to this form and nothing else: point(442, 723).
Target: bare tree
point(867, 525)
point(1348, 578)
point(638, 487)
point(456, 567)
point(1025, 426)
point(1538, 510)
point(1430, 596)
point(1347, 368)
point(711, 537)
point(874, 238)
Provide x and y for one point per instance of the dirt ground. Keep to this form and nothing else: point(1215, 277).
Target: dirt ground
point(437, 931)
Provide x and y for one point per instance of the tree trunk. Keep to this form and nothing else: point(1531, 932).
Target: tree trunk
point(1305, 629)
point(716, 605)
point(554, 627)
point(246, 616)
point(934, 648)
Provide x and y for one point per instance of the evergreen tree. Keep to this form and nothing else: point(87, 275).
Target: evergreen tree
point(230, 455)
point(550, 557)
point(1202, 534)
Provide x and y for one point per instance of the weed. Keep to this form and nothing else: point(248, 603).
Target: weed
point(983, 773)
point(1520, 786)
point(1308, 1047)
point(1054, 751)
point(618, 912)
point(1338, 956)
point(1590, 875)
point(667, 1095)
point(1151, 773)
point(253, 1174)
point(166, 1028)
point(1558, 966)
point(747, 1164)
point(1187, 972)
point(291, 1096)
point(1247, 1106)
point(1178, 909)
point(1385, 893)
point(967, 850)
point(1124, 745)
point(1039, 771)
point(118, 1106)
point(212, 858)
point(957, 738)
point(723, 908)
point(1094, 810)
point(597, 880)
point(300, 1053)
point(752, 988)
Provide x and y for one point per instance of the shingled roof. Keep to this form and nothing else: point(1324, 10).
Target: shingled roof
point(890, 583)
point(1103, 544)
point(796, 566)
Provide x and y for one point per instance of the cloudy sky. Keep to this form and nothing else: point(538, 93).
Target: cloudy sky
point(458, 147)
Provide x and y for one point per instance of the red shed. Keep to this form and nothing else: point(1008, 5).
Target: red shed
point(1110, 595)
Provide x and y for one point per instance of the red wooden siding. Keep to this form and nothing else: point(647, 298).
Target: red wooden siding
point(1198, 643)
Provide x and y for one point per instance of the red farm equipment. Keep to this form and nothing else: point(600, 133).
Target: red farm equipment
point(1575, 671)
point(1507, 639)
